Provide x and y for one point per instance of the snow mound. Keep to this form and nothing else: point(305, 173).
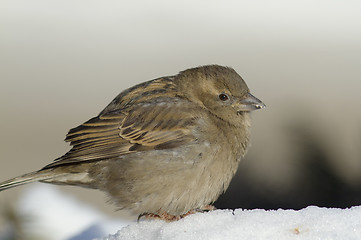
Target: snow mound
point(309, 223)
point(58, 216)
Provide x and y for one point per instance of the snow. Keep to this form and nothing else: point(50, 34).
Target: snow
point(62, 217)
point(309, 223)
point(57, 216)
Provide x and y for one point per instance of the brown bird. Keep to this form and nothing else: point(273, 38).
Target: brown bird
point(164, 148)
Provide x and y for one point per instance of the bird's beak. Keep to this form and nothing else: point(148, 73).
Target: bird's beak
point(250, 103)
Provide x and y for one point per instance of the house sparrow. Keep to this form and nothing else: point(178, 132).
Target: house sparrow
point(163, 148)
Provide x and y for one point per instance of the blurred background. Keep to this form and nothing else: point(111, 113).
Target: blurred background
point(62, 62)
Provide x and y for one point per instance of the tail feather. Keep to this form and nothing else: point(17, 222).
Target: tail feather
point(73, 177)
point(26, 178)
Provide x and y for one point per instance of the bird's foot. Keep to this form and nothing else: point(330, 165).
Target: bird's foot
point(207, 208)
point(170, 218)
point(162, 216)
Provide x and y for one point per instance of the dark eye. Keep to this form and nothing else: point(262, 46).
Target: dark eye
point(223, 97)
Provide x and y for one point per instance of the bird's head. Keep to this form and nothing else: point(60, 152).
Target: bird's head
point(220, 90)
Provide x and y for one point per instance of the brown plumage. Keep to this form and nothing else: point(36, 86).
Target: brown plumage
point(164, 147)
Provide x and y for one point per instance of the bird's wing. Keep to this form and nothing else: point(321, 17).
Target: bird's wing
point(160, 124)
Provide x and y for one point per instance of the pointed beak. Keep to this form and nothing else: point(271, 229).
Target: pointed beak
point(250, 103)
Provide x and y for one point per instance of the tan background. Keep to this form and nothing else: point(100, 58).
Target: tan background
point(61, 62)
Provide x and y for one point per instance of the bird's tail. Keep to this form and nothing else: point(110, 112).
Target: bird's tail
point(41, 175)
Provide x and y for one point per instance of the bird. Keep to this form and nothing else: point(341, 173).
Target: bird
point(165, 148)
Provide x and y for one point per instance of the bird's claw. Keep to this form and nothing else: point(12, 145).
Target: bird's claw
point(170, 218)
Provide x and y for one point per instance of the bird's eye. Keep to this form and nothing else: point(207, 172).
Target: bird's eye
point(223, 97)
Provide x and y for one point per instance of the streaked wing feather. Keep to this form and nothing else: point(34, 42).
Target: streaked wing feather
point(160, 124)
point(170, 122)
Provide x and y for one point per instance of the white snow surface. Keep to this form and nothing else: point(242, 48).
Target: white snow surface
point(58, 216)
point(61, 217)
point(309, 223)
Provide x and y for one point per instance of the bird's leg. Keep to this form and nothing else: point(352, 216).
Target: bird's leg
point(170, 218)
point(162, 216)
point(207, 208)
